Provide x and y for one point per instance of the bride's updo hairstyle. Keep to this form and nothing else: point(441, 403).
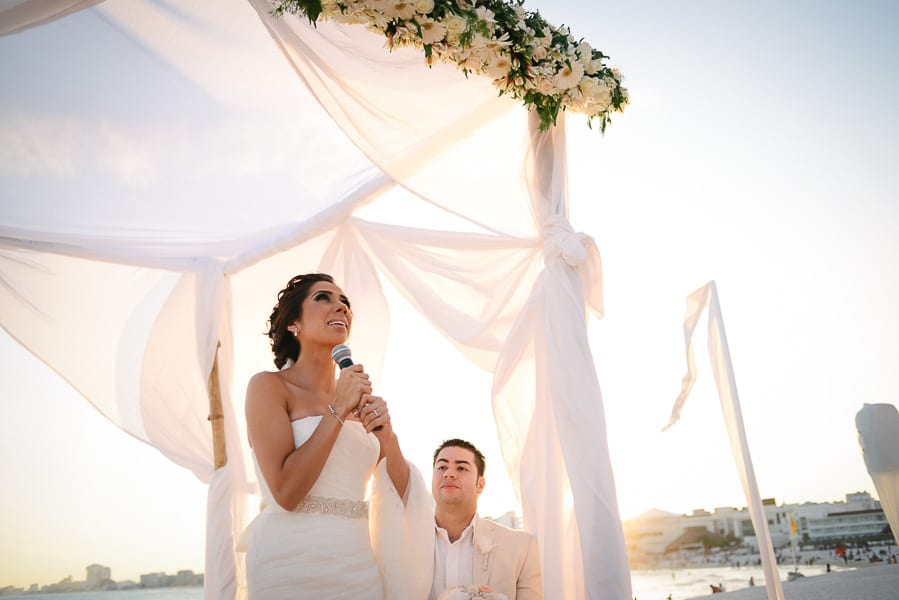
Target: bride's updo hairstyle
point(288, 309)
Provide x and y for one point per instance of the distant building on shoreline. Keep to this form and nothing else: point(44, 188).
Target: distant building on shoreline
point(99, 578)
point(656, 533)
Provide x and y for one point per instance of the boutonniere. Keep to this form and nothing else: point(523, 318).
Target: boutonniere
point(486, 544)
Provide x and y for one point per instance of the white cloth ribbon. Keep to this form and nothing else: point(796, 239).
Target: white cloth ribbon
point(561, 240)
point(578, 251)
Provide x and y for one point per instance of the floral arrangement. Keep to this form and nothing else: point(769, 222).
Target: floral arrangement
point(529, 59)
point(470, 592)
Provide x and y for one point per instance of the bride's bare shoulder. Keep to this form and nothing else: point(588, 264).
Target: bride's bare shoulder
point(265, 384)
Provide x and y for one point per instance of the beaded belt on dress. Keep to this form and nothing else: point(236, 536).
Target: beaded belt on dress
point(341, 507)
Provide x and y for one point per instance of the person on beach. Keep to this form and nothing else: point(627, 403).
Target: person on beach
point(469, 550)
point(317, 438)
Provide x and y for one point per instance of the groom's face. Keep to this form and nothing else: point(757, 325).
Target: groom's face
point(456, 480)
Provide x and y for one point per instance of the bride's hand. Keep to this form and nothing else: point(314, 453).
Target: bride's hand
point(352, 385)
point(373, 413)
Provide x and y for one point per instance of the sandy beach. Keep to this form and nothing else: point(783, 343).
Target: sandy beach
point(876, 582)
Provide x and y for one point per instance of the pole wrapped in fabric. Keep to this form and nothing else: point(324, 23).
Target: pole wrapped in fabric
point(702, 300)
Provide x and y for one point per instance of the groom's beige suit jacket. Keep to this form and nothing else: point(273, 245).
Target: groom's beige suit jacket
point(404, 540)
point(507, 560)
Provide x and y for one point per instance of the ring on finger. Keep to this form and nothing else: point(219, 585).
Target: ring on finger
point(377, 414)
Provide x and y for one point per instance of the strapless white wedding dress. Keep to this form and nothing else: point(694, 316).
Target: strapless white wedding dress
point(323, 549)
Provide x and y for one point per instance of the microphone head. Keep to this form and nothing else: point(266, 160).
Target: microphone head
point(341, 353)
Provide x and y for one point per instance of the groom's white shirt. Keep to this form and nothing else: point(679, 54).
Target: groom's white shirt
point(506, 560)
point(453, 561)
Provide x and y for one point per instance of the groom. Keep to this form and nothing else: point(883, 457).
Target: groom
point(467, 548)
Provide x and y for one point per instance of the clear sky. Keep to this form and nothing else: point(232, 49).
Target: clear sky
point(760, 151)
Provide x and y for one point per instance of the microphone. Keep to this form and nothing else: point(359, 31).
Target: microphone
point(343, 356)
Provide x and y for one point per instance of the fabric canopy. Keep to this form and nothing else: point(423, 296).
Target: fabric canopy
point(183, 248)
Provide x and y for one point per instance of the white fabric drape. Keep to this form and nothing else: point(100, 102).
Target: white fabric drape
point(511, 290)
point(19, 15)
point(705, 300)
point(878, 435)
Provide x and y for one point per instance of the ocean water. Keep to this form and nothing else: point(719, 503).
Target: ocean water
point(686, 583)
point(681, 584)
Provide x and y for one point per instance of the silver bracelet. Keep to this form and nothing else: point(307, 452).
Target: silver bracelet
point(334, 412)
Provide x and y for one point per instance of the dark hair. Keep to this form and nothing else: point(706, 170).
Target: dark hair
point(479, 460)
point(288, 309)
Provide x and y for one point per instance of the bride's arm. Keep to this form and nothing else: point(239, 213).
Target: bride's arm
point(291, 472)
point(374, 414)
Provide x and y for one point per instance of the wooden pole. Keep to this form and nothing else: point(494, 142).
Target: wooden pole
point(216, 415)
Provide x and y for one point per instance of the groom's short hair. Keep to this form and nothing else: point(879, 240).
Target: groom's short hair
point(479, 460)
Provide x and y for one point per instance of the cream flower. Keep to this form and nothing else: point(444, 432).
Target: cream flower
point(499, 43)
point(380, 22)
point(424, 7)
point(485, 14)
point(471, 592)
point(329, 8)
point(455, 24)
point(546, 86)
point(431, 31)
point(569, 76)
point(585, 54)
point(593, 67)
point(471, 63)
point(498, 67)
point(597, 95)
point(350, 19)
point(400, 9)
point(591, 86)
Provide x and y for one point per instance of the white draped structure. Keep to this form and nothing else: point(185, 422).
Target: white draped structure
point(149, 253)
point(705, 301)
point(878, 435)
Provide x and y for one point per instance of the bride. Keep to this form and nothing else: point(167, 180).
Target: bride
point(316, 439)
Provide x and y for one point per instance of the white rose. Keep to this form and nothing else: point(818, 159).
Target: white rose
point(545, 86)
point(595, 109)
point(539, 53)
point(591, 86)
point(455, 24)
point(424, 7)
point(585, 49)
